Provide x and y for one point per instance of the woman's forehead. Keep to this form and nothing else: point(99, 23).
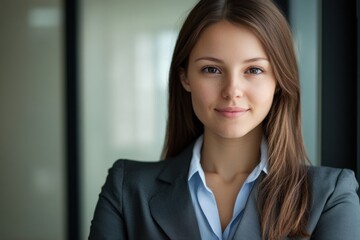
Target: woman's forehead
point(224, 39)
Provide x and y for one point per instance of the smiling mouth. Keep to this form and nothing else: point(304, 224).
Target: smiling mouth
point(232, 112)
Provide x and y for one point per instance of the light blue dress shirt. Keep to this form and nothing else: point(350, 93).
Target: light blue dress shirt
point(203, 198)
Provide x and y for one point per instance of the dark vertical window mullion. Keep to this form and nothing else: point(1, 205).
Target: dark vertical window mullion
point(72, 129)
point(284, 7)
point(339, 96)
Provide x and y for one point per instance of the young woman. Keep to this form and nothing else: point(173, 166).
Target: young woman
point(234, 163)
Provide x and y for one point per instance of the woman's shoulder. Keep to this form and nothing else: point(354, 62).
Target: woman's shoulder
point(332, 175)
point(321, 172)
point(132, 164)
point(125, 171)
point(136, 169)
point(332, 184)
point(335, 209)
point(329, 178)
point(167, 169)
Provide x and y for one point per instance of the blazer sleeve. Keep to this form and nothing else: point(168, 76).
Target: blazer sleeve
point(340, 218)
point(108, 222)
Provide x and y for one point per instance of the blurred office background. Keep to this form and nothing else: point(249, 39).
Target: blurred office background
point(83, 83)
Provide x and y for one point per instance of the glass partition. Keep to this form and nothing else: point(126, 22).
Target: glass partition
point(126, 47)
point(305, 22)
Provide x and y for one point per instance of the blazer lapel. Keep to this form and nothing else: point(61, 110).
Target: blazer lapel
point(249, 226)
point(172, 207)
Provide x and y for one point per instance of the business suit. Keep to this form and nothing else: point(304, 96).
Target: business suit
point(152, 201)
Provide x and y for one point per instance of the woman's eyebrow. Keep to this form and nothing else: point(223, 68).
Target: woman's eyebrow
point(213, 59)
point(256, 59)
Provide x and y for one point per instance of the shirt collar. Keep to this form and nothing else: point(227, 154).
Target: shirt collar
point(195, 166)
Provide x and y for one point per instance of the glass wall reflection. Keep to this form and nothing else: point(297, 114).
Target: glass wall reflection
point(126, 50)
point(305, 21)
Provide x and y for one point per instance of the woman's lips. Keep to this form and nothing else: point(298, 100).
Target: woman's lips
point(232, 112)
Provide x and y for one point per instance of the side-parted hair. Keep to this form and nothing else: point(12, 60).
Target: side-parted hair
point(284, 194)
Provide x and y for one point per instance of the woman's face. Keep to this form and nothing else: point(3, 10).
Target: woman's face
point(230, 79)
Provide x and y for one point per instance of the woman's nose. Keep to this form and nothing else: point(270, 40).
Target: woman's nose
point(233, 87)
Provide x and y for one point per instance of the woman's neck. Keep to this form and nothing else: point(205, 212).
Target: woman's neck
point(231, 157)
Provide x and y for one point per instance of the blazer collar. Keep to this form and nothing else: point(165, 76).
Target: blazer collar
point(172, 207)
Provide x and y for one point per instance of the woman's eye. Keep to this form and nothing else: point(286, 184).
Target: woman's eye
point(254, 70)
point(211, 70)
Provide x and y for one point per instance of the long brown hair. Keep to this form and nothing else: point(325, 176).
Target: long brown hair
point(284, 194)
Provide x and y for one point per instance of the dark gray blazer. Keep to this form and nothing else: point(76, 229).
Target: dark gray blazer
point(152, 201)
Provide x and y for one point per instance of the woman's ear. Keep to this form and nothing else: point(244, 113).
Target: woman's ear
point(184, 80)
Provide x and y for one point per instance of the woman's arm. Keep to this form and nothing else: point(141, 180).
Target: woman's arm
point(340, 219)
point(108, 222)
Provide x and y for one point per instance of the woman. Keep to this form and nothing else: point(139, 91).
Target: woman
point(235, 165)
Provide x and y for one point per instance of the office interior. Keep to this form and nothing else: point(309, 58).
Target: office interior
point(83, 83)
